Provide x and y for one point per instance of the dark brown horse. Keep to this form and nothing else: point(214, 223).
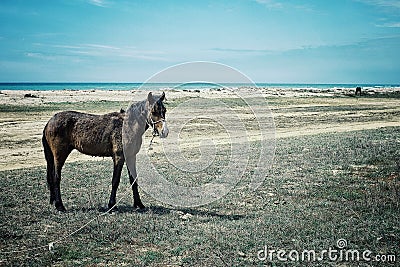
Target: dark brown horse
point(358, 90)
point(99, 135)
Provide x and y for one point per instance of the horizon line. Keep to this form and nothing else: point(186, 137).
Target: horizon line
point(258, 82)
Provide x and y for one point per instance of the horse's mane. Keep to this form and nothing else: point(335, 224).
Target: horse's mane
point(137, 108)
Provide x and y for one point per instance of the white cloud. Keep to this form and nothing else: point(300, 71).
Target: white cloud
point(31, 54)
point(273, 4)
point(357, 44)
point(383, 3)
point(103, 46)
point(100, 3)
point(51, 57)
point(270, 3)
point(390, 25)
point(96, 51)
point(67, 46)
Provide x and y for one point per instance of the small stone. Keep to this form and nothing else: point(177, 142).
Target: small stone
point(187, 216)
point(241, 254)
point(30, 96)
point(51, 247)
point(180, 213)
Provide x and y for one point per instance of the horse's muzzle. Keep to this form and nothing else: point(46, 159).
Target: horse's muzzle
point(164, 130)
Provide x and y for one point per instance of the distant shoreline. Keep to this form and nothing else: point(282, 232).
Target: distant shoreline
point(37, 97)
point(110, 86)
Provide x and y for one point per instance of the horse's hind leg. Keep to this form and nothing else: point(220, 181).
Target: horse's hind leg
point(50, 177)
point(57, 191)
point(48, 154)
point(137, 203)
point(59, 161)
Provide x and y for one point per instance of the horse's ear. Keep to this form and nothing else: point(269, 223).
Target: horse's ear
point(162, 97)
point(150, 99)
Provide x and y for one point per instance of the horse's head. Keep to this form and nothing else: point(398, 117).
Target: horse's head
point(156, 118)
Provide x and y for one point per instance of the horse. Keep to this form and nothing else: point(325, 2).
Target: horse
point(358, 90)
point(100, 135)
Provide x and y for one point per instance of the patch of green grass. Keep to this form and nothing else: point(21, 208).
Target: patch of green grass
point(71, 253)
point(395, 95)
point(151, 257)
point(335, 108)
point(83, 106)
point(172, 103)
point(234, 102)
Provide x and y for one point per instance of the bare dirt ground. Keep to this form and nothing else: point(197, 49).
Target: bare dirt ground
point(295, 113)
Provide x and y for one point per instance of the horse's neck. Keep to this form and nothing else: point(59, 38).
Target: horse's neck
point(139, 117)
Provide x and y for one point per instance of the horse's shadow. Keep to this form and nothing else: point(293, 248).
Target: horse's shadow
point(161, 211)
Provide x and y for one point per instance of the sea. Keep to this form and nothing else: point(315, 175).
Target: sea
point(188, 86)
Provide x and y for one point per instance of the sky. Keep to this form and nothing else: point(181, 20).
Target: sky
point(274, 41)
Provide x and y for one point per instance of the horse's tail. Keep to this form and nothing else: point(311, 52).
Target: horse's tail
point(48, 154)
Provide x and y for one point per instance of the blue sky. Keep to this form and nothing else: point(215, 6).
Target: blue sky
point(316, 41)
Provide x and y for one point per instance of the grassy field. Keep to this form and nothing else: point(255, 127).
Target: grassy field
point(322, 187)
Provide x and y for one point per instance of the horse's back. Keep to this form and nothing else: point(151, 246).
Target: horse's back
point(96, 135)
point(61, 124)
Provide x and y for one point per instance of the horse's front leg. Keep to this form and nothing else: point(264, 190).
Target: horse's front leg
point(137, 203)
point(118, 164)
point(56, 189)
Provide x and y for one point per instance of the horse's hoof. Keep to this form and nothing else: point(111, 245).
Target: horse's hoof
point(139, 205)
point(61, 209)
point(113, 211)
point(144, 210)
point(140, 208)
